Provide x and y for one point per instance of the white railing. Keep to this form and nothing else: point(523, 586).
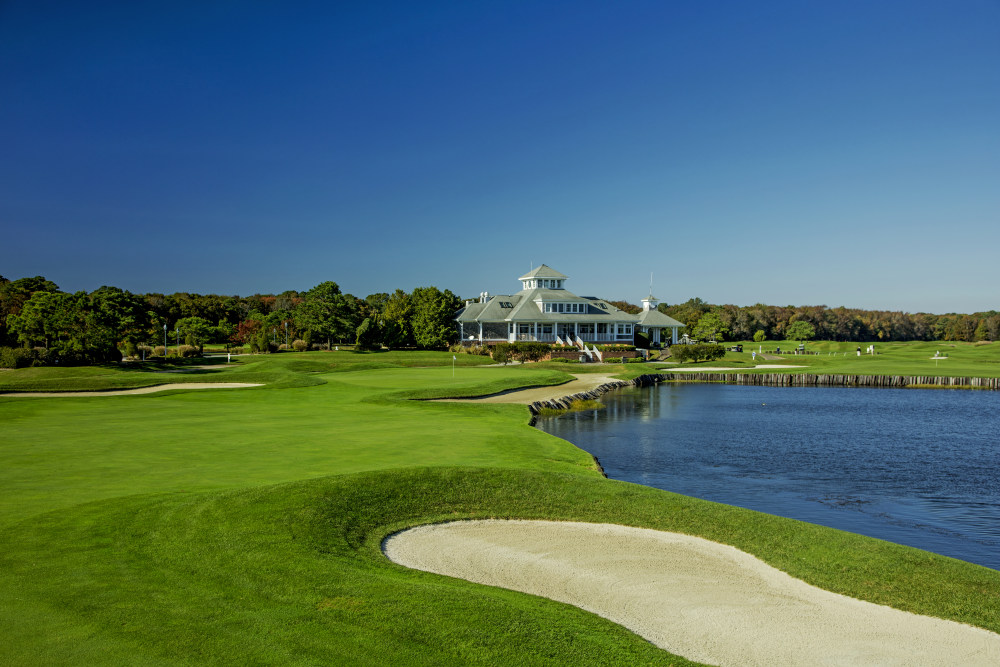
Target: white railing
point(544, 338)
point(559, 341)
point(597, 353)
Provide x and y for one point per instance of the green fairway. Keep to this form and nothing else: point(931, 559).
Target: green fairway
point(838, 358)
point(66, 451)
point(243, 526)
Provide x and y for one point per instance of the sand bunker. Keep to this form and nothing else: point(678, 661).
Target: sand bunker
point(695, 598)
point(127, 392)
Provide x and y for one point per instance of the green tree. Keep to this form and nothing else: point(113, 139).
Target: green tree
point(327, 314)
point(368, 335)
point(47, 318)
point(13, 295)
point(710, 326)
point(759, 336)
point(800, 330)
point(397, 318)
point(196, 331)
point(115, 316)
point(434, 317)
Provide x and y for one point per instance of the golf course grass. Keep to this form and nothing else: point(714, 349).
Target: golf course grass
point(910, 358)
point(243, 526)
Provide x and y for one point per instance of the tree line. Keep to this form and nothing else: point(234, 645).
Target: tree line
point(761, 322)
point(109, 323)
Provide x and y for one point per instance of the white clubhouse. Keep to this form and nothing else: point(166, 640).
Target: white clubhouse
point(545, 311)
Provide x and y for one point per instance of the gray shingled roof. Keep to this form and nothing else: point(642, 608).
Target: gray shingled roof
point(542, 271)
point(523, 308)
point(654, 318)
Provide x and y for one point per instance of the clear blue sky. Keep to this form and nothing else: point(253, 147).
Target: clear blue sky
point(800, 152)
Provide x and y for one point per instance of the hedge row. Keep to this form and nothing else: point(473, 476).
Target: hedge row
point(698, 352)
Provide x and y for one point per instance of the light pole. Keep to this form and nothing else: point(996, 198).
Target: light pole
point(177, 330)
point(286, 334)
point(164, 341)
point(274, 335)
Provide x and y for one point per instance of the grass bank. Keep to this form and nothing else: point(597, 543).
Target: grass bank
point(243, 526)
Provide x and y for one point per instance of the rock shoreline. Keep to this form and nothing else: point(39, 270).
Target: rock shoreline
point(566, 402)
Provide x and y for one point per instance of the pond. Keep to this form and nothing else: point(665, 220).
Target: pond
point(912, 466)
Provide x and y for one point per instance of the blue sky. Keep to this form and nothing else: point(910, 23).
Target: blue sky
point(838, 153)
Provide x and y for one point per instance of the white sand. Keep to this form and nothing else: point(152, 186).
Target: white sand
point(695, 598)
point(128, 392)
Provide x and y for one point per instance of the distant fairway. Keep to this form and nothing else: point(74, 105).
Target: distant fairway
point(243, 526)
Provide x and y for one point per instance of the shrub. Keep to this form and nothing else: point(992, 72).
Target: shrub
point(759, 336)
point(16, 357)
point(188, 351)
point(502, 352)
point(520, 351)
point(618, 347)
point(300, 345)
point(563, 360)
point(612, 360)
point(697, 352)
point(159, 351)
point(531, 350)
point(633, 360)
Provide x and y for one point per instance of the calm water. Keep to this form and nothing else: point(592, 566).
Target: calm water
point(917, 467)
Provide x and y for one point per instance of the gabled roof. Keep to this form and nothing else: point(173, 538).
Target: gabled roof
point(654, 318)
point(498, 308)
point(542, 271)
point(470, 312)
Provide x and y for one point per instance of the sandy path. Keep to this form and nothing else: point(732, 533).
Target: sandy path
point(127, 392)
point(705, 601)
point(582, 383)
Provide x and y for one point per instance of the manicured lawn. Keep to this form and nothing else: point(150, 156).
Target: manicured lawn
point(243, 526)
point(910, 358)
point(66, 451)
